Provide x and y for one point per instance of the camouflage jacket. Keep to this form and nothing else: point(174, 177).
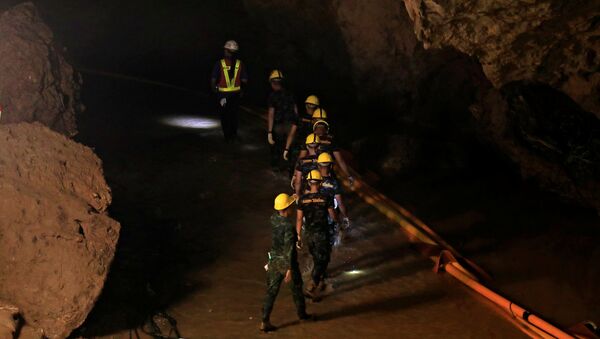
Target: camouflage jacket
point(283, 243)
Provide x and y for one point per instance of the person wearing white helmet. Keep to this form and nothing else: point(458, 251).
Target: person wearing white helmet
point(228, 77)
point(282, 112)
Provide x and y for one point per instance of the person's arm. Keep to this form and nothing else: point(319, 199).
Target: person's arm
point(270, 119)
point(303, 153)
point(289, 242)
point(299, 217)
point(332, 214)
point(215, 76)
point(297, 181)
point(342, 207)
point(290, 139)
point(342, 164)
point(244, 74)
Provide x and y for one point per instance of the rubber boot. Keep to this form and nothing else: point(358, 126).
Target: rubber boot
point(307, 317)
point(266, 326)
point(312, 292)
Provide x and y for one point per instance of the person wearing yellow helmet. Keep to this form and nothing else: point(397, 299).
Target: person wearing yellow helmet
point(327, 144)
point(282, 113)
point(314, 209)
point(228, 78)
point(301, 128)
point(319, 114)
point(306, 163)
point(331, 187)
point(283, 261)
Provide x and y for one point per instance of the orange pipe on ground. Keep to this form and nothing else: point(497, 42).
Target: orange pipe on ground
point(419, 232)
point(510, 307)
point(531, 324)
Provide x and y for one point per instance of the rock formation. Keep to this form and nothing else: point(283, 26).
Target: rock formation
point(498, 68)
point(36, 83)
point(56, 240)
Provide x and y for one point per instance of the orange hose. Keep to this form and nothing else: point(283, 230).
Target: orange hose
point(418, 232)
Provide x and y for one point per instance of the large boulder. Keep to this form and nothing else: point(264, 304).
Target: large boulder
point(36, 83)
point(56, 240)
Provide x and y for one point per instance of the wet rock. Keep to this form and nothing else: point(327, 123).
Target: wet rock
point(56, 240)
point(36, 82)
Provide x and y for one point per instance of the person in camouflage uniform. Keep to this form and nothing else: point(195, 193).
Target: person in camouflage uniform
point(314, 208)
point(283, 262)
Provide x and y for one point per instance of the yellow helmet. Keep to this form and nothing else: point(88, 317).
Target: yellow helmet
point(283, 201)
point(313, 139)
point(320, 114)
point(314, 175)
point(312, 99)
point(324, 158)
point(320, 122)
point(276, 75)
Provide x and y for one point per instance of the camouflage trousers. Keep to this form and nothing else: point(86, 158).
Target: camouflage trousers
point(319, 247)
point(274, 279)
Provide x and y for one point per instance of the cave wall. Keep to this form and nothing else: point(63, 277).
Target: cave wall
point(36, 82)
point(549, 41)
point(57, 241)
point(448, 74)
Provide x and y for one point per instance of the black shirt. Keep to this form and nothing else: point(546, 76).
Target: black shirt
point(331, 187)
point(315, 207)
point(283, 102)
point(307, 164)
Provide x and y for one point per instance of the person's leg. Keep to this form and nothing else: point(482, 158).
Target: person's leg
point(313, 250)
point(274, 280)
point(297, 295)
point(222, 110)
point(235, 111)
point(322, 256)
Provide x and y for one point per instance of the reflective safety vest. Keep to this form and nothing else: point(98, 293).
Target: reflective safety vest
point(228, 84)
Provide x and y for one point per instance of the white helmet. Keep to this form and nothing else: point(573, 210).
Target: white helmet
point(232, 45)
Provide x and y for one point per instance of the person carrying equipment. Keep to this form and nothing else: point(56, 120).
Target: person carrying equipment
point(228, 77)
point(314, 208)
point(283, 262)
point(282, 113)
point(306, 163)
point(331, 187)
point(301, 128)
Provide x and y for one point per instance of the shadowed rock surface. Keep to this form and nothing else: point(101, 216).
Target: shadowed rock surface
point(36, 83)
point(56, 240)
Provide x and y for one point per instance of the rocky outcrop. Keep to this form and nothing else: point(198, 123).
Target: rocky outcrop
point(446, 69)
point(548, 41)
point(56, 240)
point(36, 83)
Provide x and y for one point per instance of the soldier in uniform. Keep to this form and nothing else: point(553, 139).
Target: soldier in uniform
point(315, 208)
point(331, 187)
point(306, 163)
point(283, 262)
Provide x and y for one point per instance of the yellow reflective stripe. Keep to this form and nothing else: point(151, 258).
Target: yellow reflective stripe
point(230, 86)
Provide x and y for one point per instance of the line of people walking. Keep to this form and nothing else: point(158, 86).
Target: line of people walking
point(302, 144)
point(312, 215)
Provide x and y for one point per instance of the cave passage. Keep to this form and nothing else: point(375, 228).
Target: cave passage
point(514, 193)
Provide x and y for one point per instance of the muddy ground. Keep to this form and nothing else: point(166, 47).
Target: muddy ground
point(195, 234)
